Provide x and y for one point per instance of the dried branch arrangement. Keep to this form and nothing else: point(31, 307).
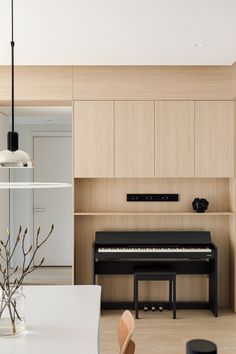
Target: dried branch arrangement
point(12, 279)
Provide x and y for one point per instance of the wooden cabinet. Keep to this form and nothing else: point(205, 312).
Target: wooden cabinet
point(127, 139)
point(134, 139)
point(38, 84)
point(174, 138)
point(214, 139)
point(93, 139)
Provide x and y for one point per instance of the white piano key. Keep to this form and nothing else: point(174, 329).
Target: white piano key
point(154, 250)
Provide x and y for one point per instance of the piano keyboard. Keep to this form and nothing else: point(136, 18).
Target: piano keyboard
point(154, 250)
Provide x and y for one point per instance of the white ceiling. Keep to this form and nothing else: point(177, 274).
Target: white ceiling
point(40, 115)
point(120, 32)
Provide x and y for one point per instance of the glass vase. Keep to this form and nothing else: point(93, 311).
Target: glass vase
point(12, 320)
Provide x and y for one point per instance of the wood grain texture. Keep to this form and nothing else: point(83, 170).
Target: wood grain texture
point(156, 332)
point(232, 231)
point(37, 83)
point(93, 139)
point(125, 330)
point(157, 213)
point(37, 103)
point(232, 262)
point(154, 82)
point(120, 82)
point(214, 139)
point(134, 139)
point(119, 287)
point(109, 195)
point(174, 138)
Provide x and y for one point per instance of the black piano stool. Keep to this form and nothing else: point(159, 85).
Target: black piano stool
point(200, 346)
point(153, 275)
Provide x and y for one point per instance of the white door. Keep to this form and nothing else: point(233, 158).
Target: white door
point(53, 163)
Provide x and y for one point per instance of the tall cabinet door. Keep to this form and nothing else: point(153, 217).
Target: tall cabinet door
point(174, 138)
point(93, 139)
point(214, 139)
point(134, 139)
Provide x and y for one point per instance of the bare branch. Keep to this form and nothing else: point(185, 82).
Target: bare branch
point(16, 243)
point(8, 238)
point(37, 235)
point(23, 241)
point(30, 249)
point(46, 238)
point(2, 255)
point(8, 287)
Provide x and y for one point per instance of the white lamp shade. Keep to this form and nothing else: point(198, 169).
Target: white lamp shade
point(15, 159)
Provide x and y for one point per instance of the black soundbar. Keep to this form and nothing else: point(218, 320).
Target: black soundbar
point(152, 197)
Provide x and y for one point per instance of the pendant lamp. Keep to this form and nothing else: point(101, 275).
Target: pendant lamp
point(13, 157)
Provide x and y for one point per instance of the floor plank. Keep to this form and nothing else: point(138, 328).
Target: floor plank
point(158, 333)
point(50, 276)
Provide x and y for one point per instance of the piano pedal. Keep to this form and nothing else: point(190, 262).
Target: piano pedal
point(160, 308)
point(153, 308)
point(145, 308)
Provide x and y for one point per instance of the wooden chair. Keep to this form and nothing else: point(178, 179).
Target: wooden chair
point(125, 329)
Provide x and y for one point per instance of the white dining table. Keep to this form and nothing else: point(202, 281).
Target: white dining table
point(59, 320)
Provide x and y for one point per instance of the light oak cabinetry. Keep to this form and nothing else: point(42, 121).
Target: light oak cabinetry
point(134, 138)
point(147, 138)
point(38, 84)
point(174, 139)
point(181, 140)
point(154, 82)
point(93, 139)
point(214, 139)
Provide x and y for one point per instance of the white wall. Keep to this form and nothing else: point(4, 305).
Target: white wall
point(4, 177)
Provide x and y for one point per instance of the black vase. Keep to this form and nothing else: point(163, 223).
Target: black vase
point(200, 205)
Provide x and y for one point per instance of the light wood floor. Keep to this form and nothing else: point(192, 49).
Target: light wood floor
point(50, 276)
point(157, 333)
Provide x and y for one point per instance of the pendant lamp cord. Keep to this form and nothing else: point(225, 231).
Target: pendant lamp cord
point(12, 70)
point(12, 136)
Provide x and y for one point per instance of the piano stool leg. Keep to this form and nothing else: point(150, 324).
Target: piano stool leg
point(170, 295)
point(174, 297)
point(136, 297)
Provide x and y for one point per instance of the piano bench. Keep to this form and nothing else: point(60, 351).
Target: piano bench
point(156, 275)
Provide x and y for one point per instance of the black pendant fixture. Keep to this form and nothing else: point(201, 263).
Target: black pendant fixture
point(13, 157)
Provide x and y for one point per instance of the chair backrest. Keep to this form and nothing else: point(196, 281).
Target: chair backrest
point(125, 329)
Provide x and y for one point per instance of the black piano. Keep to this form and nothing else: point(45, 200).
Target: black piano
point(186, 252)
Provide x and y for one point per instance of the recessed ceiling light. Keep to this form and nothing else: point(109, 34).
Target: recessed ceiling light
point(198, 45)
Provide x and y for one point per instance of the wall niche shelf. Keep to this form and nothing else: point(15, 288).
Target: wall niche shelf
point(100, 204)
point(118, 213)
